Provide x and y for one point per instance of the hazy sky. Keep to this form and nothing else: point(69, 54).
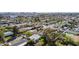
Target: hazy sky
point(39, 6)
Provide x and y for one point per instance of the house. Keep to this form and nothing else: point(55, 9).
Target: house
point(76, 29)
point(35, 37)
point(25, 29)
point(49, 26)
point(8, 36)
point(74, 33)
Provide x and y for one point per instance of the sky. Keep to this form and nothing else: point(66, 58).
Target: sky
point(39, 6)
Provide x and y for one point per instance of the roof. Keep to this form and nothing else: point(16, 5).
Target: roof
point(24, 29)
point(18, 41)
point(8, 33)
point(73, 32)
point(35, 37)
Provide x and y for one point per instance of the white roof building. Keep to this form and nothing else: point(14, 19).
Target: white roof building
point(35, 37)
point(8, 33)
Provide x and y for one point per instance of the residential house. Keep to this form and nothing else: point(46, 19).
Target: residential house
point(35, 37)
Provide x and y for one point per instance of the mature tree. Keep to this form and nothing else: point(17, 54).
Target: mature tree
point(20, 19)
point(27, 33)
point(30, 43)
point(1, 36)
point(42, 41)
point(50, 34)
point(57, 38)
point(37, 19)
point(15, 30)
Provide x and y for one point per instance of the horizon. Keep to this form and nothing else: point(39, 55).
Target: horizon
point(39, 12)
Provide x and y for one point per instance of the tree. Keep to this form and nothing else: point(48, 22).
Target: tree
point(1, 36)
point(58, 43)
point(28, 33)
point(15, 30)
point(51, 34)
point(57, 38)
point(18, 19)
point(37, 19)
point(42, 41)
point(68, 40)
point(30, 43)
